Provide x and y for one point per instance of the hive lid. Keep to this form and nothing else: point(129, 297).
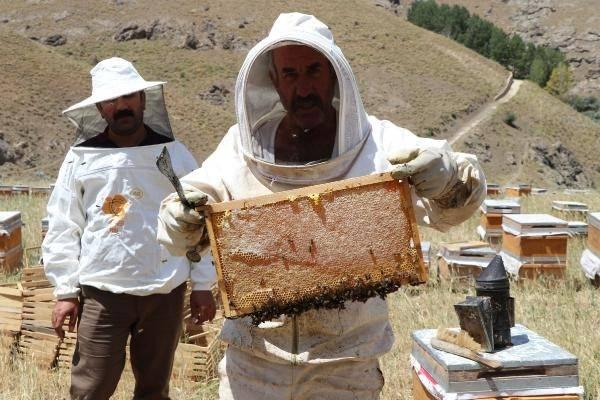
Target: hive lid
point(594, 219)
point(569, 205)
point(500, 206)
point(10, 220)
point(534, 225)
point(530, 351)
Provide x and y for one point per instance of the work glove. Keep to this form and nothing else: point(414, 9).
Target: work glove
point(181, 228)
point(432, 171)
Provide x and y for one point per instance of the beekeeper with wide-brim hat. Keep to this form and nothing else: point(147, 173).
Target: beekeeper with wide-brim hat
point(111, 79)
point(112, 279)
point(301, 121)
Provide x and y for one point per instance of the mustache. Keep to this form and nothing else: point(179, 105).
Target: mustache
point(123, 113)
point(309, 101)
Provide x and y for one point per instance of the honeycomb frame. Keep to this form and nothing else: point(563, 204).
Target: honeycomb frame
point(314, 247)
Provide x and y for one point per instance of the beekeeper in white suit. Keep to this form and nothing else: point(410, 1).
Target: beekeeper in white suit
point(301, 122)
point(101, 252)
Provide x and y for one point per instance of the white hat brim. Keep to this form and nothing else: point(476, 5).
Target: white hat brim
point(117, 92)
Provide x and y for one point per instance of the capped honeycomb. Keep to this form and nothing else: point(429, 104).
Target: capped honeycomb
point(314, 247)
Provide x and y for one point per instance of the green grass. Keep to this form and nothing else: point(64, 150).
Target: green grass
point(563, 311)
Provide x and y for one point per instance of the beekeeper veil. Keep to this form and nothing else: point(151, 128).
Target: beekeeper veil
point(112, 78)
point(259, 108)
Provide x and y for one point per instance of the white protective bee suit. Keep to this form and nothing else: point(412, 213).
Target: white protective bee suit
point(325, 354)
point(102, 211)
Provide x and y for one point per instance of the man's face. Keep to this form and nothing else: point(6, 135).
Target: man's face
point(305, 83)
point(124, 115)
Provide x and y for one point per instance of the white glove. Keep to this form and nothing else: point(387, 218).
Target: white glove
point(432, 171)
point(181, 228)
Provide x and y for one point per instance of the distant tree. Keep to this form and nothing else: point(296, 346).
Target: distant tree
point(560, 80)
point(424, 13)
point(477, 35)
point(499, 47)
point(519, 62)
point(538, 71)
point(457, 20)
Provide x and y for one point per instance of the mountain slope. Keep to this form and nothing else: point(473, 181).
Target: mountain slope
point(415, 78)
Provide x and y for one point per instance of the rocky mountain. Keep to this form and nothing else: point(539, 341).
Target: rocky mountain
point(573, 26)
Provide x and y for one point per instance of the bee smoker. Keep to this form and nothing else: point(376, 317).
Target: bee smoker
point(493, 283)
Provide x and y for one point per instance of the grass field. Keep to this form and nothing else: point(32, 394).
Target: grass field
point(565, 312)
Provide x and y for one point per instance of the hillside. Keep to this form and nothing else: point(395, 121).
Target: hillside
point(415, 78)
point(573, 26)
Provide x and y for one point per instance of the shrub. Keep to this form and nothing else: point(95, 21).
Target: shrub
point(510, 118)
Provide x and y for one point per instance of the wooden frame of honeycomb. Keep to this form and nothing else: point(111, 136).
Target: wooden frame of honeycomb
point(314, 247)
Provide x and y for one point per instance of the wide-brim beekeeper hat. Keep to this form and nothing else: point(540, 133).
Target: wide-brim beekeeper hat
point(112, 78)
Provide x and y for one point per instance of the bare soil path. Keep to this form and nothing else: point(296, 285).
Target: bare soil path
point(486, 111)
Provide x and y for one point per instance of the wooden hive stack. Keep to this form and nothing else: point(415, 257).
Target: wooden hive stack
point(11, 248)
point(313, 247)
point(11, 304)
point(199, 362)
point(569, 210)
point(534, 245)
point(490, 225)
point(463, 260)
point(38, 341)
point(533, 368)
point(518, 190)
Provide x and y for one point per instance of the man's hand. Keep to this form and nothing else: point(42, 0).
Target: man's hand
point(63, 309)
point(180, 227)
point(202, 305)
point(432, 171)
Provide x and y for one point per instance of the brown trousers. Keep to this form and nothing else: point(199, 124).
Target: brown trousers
point(106, 322)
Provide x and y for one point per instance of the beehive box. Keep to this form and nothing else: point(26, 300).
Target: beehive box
point(536, 248)
point(11, 304)
point(20, 190)
point(569, 210)
point(315, 246)
point(493, 189)
point(44, 227)
point(534, 271)
point(11, 249)
point(39, 191)
point(518, 190)
point(426, 252)
point(5, 190)
point(593, 240)
point(464, 259)
point(569, 206)
point(531, 363)
point(492, 211)
point(535, 238)
point(578, 228)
